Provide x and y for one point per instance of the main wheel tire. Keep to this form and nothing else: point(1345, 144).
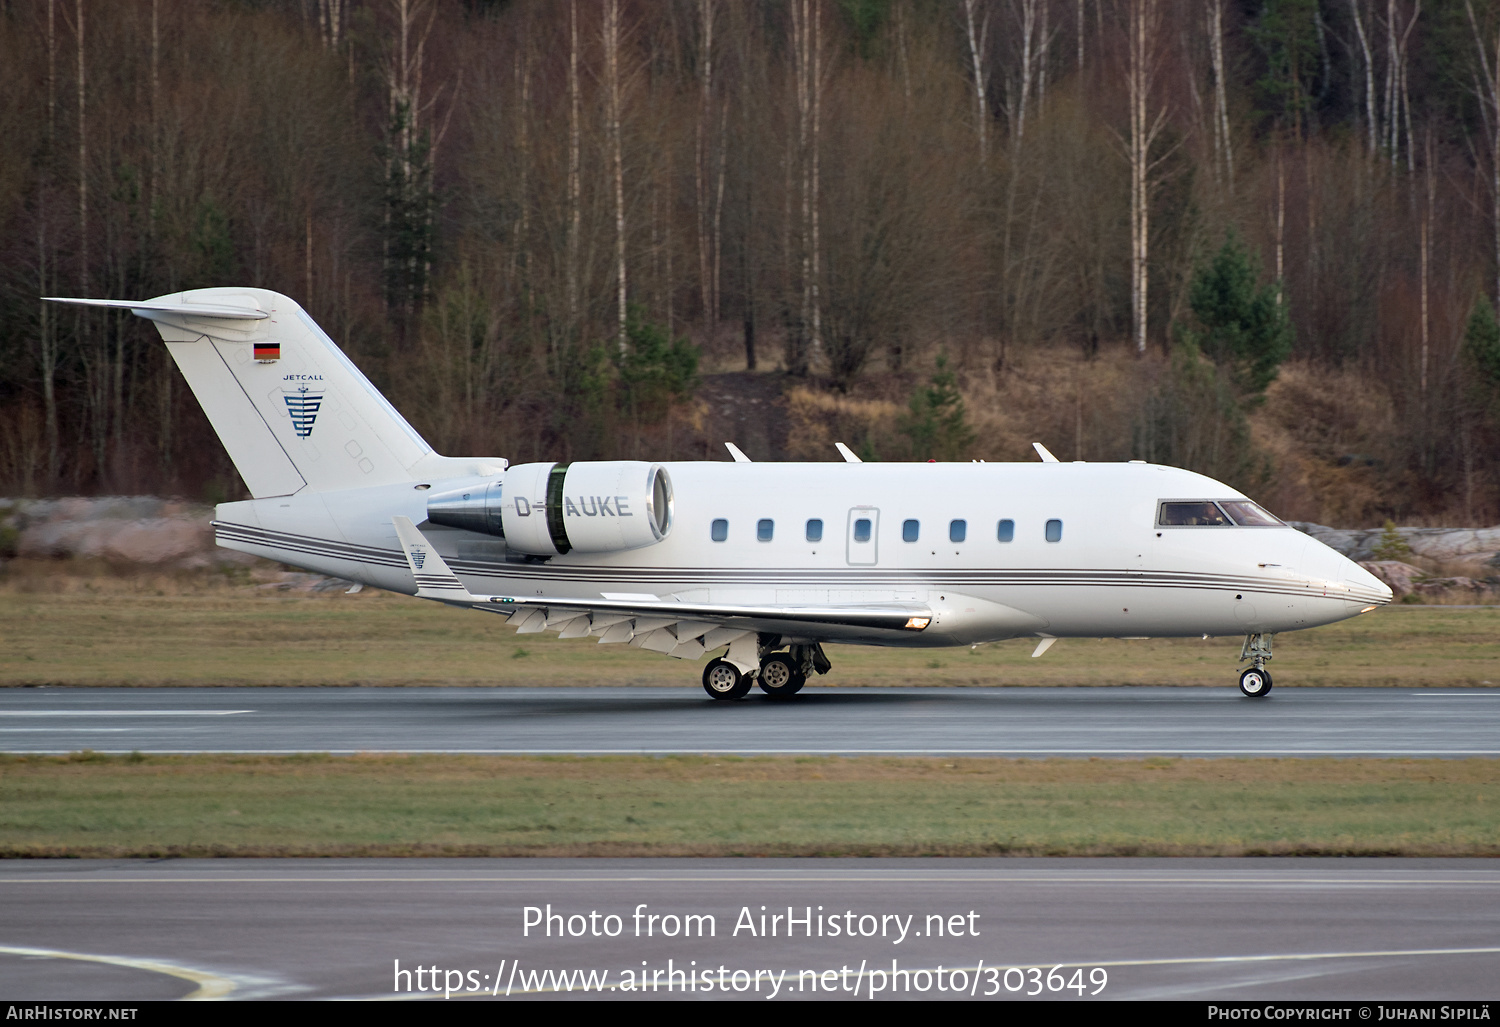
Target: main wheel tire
point(723, 680)
point(1256, 682)
point(780, 676)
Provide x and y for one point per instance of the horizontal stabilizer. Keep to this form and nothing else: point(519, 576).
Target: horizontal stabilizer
point(146, 308)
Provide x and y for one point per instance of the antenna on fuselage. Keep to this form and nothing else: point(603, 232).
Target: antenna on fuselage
point(734, 451)
point(1045, 454)
point(847, 454)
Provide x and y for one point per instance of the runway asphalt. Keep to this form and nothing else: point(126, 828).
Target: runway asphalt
point(1124, 721)
point(1240, 929)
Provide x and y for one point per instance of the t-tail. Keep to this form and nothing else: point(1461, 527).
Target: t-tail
point(293, 411)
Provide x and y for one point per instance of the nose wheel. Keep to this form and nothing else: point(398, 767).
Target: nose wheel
point(1255, 682)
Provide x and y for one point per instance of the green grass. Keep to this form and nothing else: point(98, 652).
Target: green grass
point(115, 635)
point(149, 806)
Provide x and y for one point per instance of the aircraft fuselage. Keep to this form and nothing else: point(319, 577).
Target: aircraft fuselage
point(1113, 571)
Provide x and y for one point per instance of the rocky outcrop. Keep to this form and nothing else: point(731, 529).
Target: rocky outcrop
point(1401, 577)
point(119, 529)
point(1479, 547)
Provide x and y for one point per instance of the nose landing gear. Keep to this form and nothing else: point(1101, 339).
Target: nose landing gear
point(1255, 681)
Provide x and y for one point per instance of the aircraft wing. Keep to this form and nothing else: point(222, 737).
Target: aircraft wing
point(684, 630)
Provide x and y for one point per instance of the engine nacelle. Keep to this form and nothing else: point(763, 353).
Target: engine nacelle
point(550, 509)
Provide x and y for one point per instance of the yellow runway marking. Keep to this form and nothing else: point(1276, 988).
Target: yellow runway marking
point(210, 985)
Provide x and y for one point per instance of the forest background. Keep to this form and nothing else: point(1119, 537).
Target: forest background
point(1258, 238)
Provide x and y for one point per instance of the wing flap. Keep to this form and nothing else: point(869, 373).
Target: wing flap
point(680, 629)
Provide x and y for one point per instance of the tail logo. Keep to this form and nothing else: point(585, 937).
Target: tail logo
point(418, 557)
point(303, 406)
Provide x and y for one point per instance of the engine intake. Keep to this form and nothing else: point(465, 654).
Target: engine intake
point(551, 509)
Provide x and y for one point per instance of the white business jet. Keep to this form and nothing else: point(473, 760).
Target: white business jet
point(765, 562)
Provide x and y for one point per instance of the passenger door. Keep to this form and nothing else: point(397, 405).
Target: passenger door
point(863, 534)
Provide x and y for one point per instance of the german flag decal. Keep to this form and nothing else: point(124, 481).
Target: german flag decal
point(267, 351)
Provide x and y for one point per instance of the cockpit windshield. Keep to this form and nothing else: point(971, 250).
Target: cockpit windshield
point(1250, 515)
point(1201, 513)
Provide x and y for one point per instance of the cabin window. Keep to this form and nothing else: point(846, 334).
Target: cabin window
point(909, 531)
point(815, 530)
point(764, 528)
point(1250, 515)
point(720, 530)
point(957, 530)
point(1006, 532)
point(862, 529)
point(1054, 530)
point(1197, 513)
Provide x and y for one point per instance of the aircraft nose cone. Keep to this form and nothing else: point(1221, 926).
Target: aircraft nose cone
point(1364, 585)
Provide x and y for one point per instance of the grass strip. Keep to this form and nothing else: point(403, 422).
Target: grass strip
point(233, 637)
point(92, 805)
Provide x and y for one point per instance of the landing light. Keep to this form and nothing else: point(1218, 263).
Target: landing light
point(1367, 609)
point(918, 623)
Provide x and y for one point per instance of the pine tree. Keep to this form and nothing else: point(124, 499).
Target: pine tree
point(1287, 33)
point(1392, 546)
point(1481, 350)
point(654, 369)
point(937, 423)
point(1240, 326)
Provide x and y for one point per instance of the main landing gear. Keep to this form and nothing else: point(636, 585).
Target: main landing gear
point(723, 680)
point(1255, 681)
point(780, 675)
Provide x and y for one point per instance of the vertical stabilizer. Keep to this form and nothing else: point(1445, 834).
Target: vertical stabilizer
point(289, 406)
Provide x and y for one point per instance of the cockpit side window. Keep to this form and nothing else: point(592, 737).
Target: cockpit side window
point(1194, 513)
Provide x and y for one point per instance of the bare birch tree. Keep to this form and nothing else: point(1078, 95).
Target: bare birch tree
point(521, 241)
point(46, 265)
point(1082, 26)
point(412, 149)
point(575, 168)
point(1372, 120)
point(1397, 94)
point(710, 147)
point(331, 22)
point(1426, 245)
point(977, 38)
point(83, 157)
point(1223, 145)
point(1018, 94)
point(1488, 90)
point(807, 69)
point(1142, 59)
point(616, 156)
